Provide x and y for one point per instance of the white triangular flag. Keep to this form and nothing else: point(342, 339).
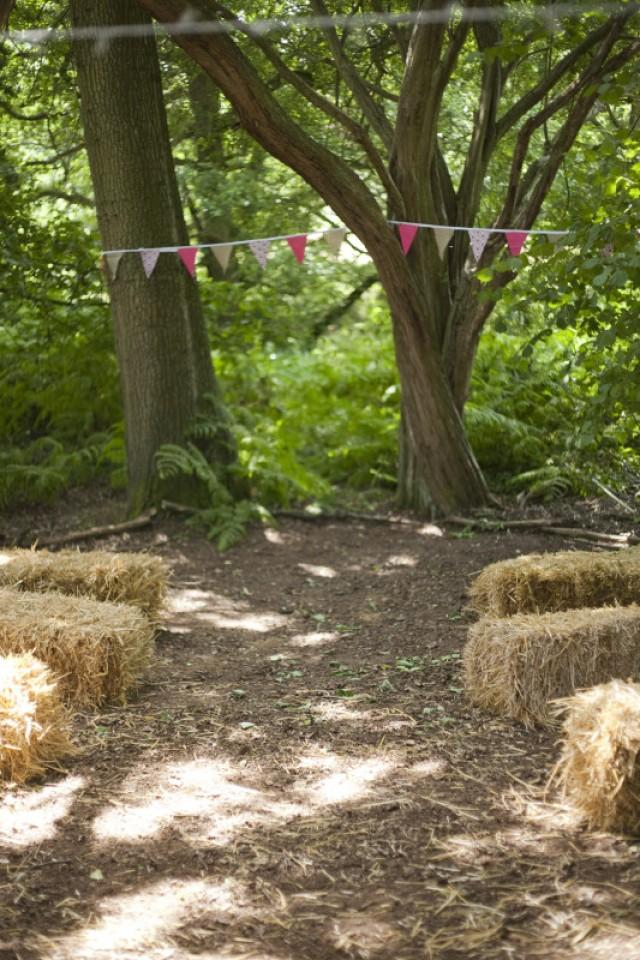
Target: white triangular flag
point(335, 238)
point(478, 238)
point(442, 237)
point(260, 250)
point(113, 262)
point(149, 260)
point(222, 252)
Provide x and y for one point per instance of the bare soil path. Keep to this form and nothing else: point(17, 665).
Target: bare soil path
point(300, 776)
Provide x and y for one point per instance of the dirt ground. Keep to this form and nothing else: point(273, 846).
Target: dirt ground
point(300, 775)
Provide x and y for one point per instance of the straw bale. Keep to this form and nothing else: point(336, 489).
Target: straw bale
point(34, 724)
point(514, 666)
point(97, 649)
point(139, 579)
point(546, 582)
point(599, 768)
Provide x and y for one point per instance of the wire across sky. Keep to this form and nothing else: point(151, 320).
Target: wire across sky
point(189, 24)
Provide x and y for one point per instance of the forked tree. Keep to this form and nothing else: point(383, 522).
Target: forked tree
point(388, 93)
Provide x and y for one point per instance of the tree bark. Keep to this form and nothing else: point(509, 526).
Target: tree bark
point(160, 336)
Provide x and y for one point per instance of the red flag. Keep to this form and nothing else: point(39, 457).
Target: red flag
point(516, 241)
point(188, 256)
point(298, 245)
point(407, 233)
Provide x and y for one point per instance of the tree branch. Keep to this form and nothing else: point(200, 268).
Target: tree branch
point(76, 198)
point(17, 115)
point(322, 103)
point(372, 110)
point(56, 158)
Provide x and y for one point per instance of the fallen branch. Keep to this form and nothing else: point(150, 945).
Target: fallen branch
point(94, 532)
point(546, 526)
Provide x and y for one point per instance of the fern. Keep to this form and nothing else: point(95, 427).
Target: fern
point(546, 483)
point(227, 524)
point(172, 461)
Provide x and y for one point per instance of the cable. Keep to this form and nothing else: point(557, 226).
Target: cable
point(188, 24)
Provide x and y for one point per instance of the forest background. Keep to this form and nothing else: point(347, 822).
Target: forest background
point(304, 354)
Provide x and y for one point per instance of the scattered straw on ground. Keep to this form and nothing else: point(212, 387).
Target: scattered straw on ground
point(514, 666)
point(139, 579)
point(97, 649)
point(546, 582)
point(599, 769)
point(34, 724)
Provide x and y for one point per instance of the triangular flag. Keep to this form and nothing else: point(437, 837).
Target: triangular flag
point(222, 252)
point(555, 238)
point(478, 238)
point(442, 237)
point(407, 233)
point(149, 260)
point(298, 245)
point(516, 241)
point(334, 238)
point(188, 256)
point(260, 250)
point(113, 262)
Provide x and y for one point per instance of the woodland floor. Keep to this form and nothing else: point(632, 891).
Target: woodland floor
point(300, 775)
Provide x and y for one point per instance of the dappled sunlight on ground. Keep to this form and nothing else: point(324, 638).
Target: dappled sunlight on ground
point(30, 816)
point(151, 916)
point(218, 610)
point(318, 571)
point(430, 530)
point(313, 639)
point(202, 795)
point(401, 560)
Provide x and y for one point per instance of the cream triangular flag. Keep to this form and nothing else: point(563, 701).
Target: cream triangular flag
point(113, 262)
point(335, 238)
point(222, 252)
point(442, 237)
point(478, 238)
point(149, 260)
point(260, 250)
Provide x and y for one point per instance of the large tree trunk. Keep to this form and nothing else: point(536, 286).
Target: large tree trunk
point(161, 340)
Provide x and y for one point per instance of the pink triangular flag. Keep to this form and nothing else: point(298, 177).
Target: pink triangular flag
point(298, 245)
point(188, 256)
point(222, 252)
point(478, 238)
point(113, 262)
point(407, 233)
point(149, 260)
point(335, 238)
point(442, 237)
point(516, 241)
point(260, 250)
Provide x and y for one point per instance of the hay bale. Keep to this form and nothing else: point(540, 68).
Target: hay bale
point(135, 578)
point(515, 666)
point(34, 724)
point(547, 582)
point(98, 650)
point(599, 768)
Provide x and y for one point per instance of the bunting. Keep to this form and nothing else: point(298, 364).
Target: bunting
point(334, 238)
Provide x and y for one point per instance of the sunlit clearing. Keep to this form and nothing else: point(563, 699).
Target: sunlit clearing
point(312, 639)
point(351, 781)
point(149, 917)
point(360, 934)
point(201, 794)
point(256, 622)
point(186, 601)
point(318, 571)
point(273, 536)
point(550, 814)
point(402, 560)
point(430, 530)
point(31, 816)
point(340, 711)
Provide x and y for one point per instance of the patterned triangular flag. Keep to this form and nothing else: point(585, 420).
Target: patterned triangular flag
point(260, 250)
point(222, 252)
point(442, 237)
point(478, 238)
point(149, 260)
point(407, 233)
point(335, 238)
point(515, 241)
point(298, 245)
point(113, 262)
point(188, 256)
